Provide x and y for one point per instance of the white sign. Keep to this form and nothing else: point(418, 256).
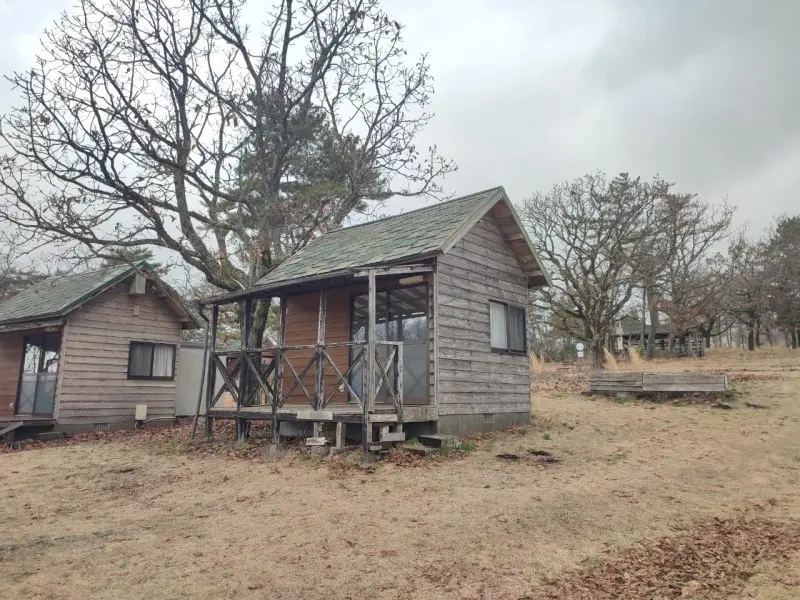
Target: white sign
point(579, 347)
point(580, 353)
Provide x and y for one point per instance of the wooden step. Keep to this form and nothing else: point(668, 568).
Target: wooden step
point(9, 427)
point(439, 440)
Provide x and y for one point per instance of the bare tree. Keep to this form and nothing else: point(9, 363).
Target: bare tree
point(592, 234)
point(749, 290)
point(689, 277)
point(782, 255)
point(168, 123)
point(16, 273)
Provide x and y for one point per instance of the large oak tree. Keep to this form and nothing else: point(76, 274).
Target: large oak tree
point(173, 124)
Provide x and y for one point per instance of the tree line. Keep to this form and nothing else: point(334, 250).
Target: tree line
point(172, 125)
point(632, 247)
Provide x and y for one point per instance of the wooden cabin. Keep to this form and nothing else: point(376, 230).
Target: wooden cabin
point(80, 352)
point(428, 305)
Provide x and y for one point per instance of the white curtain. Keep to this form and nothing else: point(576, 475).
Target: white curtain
point(140, 360)
point(497, 323)
point(516, 329)
point(163, 357)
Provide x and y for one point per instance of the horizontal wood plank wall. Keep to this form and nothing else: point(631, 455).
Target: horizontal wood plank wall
point(302, 314)
point(10, 362)
point(473, 379)
point(94, 382)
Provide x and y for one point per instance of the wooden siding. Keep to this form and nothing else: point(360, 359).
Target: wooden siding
point(94, 386)
point(301, 329)
point(473, 379)
point(302, 317)
point(10, 362)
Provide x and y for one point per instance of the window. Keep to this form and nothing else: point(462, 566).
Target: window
point(151, 361)
point(507, 327)
point(401, 315)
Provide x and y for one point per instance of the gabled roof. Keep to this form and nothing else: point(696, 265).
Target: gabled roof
point(411, 236)
point(58, 296)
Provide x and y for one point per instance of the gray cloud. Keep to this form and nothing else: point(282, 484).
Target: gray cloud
point(704, 92)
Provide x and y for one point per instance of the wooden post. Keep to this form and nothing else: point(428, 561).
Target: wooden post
point(323, 305)
point(242, 425)
point(276, 400)
point(399, 381)
point(339, 435)
point(211, 370)
point(369, 366)
point(202, 381)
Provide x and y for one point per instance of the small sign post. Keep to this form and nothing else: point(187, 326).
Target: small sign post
point(579, 347)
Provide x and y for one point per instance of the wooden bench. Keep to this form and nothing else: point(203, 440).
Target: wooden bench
point(646, 383)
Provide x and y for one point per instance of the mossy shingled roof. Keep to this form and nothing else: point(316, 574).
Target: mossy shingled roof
point(57, 296)
point(408, 236)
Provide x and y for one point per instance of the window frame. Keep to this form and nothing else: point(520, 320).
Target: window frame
point(507, 349)
point(153, 345)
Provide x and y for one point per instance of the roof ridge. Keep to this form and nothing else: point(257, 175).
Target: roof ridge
point(413, 211)
point(91, 272)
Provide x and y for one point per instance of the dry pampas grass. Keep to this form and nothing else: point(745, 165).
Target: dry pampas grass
point(537, 364)
point(636, 359)
point(610, 362)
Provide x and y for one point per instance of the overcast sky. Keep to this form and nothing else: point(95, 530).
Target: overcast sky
point(705, 93)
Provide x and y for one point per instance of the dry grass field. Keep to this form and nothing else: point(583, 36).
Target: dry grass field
point(646, 500)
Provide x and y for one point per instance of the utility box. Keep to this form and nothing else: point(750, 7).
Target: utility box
point(141, 412)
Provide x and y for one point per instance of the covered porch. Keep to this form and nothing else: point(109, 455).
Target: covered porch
point(335, 335)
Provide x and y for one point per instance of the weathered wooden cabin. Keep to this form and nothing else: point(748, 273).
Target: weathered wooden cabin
point(79, 352)
point(415, 322)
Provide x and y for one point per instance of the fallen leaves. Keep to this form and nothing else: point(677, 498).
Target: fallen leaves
point(713, 559)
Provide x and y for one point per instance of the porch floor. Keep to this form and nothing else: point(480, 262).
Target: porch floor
point(343, 413)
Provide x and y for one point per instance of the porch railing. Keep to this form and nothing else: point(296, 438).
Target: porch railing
point(256, 377)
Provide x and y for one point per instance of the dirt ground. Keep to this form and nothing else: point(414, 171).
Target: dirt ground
point(135, 518)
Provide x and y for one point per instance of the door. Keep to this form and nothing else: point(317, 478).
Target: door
point(401, 315)
point(41, 354)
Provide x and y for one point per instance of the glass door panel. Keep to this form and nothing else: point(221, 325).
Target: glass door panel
point(40, 361)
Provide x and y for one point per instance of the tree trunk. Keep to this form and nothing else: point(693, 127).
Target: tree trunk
point(597, 352)
point(651, 338)
point(758, 333)
point(643, 331)
point(751, 337)
point(794, 338)
point(259, 323)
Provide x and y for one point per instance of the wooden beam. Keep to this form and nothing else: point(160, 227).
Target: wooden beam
point(244, 372)
point(211, 370)
point(399, 375)
point(369, 370)
point(299, 378)
point(390, 271)
point(35, 325)
point(277, 398)
point(340, 428)
point(323, 306)
point(343, 378)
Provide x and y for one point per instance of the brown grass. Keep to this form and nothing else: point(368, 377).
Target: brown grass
point(537, 364)
point(636, 362)
point(609, 361)
point(127, 519)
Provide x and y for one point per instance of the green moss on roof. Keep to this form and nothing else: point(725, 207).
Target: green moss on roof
point(403, 237)
point(57, 296)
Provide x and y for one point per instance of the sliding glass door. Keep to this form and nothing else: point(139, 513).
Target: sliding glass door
point(41, 354)
point(401, 315)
